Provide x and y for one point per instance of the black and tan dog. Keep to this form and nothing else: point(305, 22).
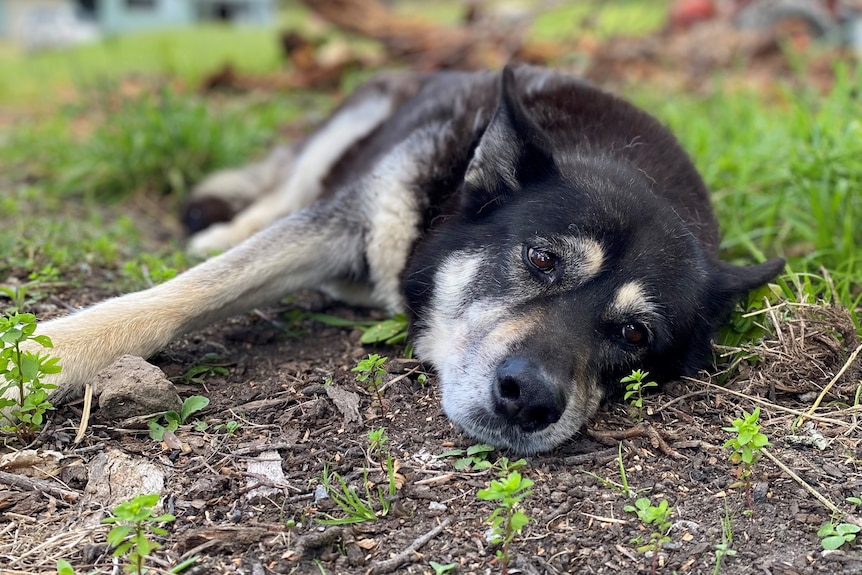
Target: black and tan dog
point(545, 238)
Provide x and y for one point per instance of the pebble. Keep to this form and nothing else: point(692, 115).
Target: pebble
point(320, 493)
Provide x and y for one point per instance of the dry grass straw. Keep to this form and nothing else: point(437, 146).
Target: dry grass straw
point(809, 355)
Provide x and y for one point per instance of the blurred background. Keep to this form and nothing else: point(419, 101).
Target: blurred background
point(136, 100)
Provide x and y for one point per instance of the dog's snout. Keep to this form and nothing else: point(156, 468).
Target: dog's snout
point(524, 395)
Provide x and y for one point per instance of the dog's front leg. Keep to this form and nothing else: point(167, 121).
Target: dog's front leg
point(305, 250)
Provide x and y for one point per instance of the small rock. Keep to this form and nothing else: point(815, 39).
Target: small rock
point(437, 506)
point(558, 496)
point(759, 490)
point(131, 386)
point(320, 493)
point(115, 477)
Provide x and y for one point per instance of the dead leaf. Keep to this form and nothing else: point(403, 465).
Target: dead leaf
point(347, 403)
point(367, 544)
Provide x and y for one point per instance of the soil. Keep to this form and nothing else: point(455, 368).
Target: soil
point(281, 368)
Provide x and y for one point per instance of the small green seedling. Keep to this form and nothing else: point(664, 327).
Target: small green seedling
point(507, 520)
point(134, 522)
point(229, 427)
point(64, 567)
point(199, 373)
point(745, 447)
point(658, 516)
point(23, 372)
point(192, 404)
point(377, 440)
point(834, 535)
point(474, 458)
point(370, 371)
point(440, 569)
point(505, 467)
point(635, 385)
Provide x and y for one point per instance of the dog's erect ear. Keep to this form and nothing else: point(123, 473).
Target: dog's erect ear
point(512, 152)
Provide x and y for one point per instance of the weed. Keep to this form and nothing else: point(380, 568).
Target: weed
point(391, 331)
point(834, 535)
point(370, 372)
point(192, 404)
point(134, 522)
point(440, 569)
point(148, 270)
point(18, 295)
point(635, 385)
point(22, 371)
point(658, 516)
point(623, 486)
point(387, 332)
point(724, 549)
point(507, 520)
point(474, 458)
point(292, 323)
point(357, 508)
point(746, 447)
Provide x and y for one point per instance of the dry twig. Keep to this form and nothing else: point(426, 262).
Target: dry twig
point(34, 484)
point(409, 554)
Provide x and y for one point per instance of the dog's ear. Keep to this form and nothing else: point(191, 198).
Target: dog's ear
point(729, 283)
point(513, 152)
point(735, 281)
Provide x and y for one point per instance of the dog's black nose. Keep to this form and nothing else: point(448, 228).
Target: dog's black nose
point(524, 395)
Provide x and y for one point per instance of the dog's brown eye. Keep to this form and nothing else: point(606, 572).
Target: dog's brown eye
point(634, 333)
point(542, 260)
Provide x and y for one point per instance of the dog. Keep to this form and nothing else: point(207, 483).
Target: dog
point(543, 236)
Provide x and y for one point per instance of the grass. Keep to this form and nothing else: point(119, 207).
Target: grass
point(187, 54)
point(628, 17)
point(785, 170)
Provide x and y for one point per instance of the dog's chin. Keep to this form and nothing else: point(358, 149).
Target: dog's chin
point(487, 427)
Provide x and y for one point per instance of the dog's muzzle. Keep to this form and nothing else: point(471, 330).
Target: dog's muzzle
point(525, 397)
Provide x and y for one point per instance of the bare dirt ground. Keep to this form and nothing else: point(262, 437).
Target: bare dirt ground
point(279, 364)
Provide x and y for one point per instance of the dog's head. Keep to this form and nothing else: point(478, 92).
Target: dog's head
point(562, 272)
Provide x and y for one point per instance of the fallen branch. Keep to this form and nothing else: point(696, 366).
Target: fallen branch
point(409, 554)
point(43, 485)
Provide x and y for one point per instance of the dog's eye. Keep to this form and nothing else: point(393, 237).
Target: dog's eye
point(634, 333)
point(542, 260)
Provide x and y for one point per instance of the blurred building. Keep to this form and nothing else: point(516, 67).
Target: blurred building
point(43, 23)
